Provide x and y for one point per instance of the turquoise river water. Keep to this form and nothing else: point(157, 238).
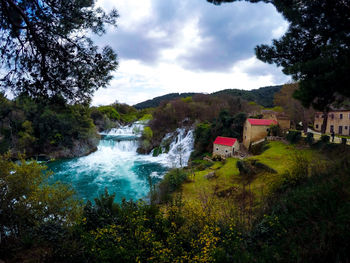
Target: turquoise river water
point(118, 167)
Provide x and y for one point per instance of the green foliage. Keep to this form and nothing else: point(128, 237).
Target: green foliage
point(274, 130)
point(146, 117)
point(293, 136)
point(309, 138)
point(325, 138)
point(175, 178)
point(28, 203)
point(157, 151)
point(262, 96)
point(110, 112)
point(259, 148)
point(187, 99)
point(147, 133)
point(171, 182)
point(44, 57)
point(155, 102)
point(42, 127)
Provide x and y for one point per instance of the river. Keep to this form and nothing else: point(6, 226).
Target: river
point(118, 167)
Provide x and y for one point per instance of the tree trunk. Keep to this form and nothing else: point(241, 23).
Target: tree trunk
point(324, 124)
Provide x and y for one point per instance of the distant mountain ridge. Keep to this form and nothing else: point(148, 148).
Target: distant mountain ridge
point(263, 96)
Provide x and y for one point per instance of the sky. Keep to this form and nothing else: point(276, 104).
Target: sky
point(167, 46)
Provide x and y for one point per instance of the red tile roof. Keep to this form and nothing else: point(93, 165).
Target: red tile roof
point(225, 141)
point(262, 122)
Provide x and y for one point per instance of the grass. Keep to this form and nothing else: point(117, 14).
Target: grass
point(202, 192)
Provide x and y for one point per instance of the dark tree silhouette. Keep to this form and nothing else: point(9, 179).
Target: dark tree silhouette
point(45, 50)
point(315, 50)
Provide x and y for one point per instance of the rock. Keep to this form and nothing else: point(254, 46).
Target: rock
point(210, 175)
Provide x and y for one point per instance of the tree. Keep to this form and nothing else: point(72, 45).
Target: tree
point(45, 50)
point(292, 107)
point(315, 50)
point(28, 201)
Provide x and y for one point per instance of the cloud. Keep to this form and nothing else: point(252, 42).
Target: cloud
point(188, 45)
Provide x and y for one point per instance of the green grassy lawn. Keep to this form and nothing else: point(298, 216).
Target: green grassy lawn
point(200, 189)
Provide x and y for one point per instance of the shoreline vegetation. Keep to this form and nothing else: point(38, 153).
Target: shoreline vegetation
point(256, 209)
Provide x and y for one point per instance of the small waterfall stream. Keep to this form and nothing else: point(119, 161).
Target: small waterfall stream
point(118, 167)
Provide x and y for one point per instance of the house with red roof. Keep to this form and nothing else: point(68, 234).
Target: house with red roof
point(225, 146)
point(256, 129)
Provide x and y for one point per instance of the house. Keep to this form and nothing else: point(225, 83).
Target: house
point(225, 146)
point(337, 121)
point(256, 129)
point(282, 119)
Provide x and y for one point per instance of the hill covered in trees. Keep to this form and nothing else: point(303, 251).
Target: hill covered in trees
point(263, 96)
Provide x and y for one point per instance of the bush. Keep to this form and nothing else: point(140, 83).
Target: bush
point(293, 136)
point(325, 138)
point(259, 148)
point(157, 151)
point(309, 138)
point(343, 141)
point(110, 112)
point(201, 164)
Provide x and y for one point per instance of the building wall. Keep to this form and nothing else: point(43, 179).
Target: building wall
point(223, 150)
point(252, 133)
point(236, 146)
point(246, 133)
point(282, 119)
point(284, 123)
point(258, 132)
point(334, 121)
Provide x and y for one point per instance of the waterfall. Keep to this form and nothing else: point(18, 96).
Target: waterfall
point(117, 166)
point(180, 148)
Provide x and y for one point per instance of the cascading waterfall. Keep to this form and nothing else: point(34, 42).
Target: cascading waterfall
point(118, 167)
point(180, 148)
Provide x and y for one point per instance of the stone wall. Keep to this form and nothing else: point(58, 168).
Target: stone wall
point(334, 121)
point(222, 150)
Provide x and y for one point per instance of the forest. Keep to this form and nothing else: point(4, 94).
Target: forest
point(287, 201)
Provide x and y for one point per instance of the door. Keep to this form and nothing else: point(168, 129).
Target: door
point(340, 129)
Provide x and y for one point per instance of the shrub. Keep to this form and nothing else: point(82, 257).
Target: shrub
point(275, 130)
point(293, 136)
point(110, 112)
point(157, 151)
point(259, 148)
point(325, 138)
point(343, 141)
point(147, 133)
point(309, 138)
point(171, 182)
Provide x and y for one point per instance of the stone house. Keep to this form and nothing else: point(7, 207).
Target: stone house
point(337, 121)
point(256, 129)
point(282, 119)
point(225, 146)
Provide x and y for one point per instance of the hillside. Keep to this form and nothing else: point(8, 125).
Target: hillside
point(263, 96)
point(155, 102)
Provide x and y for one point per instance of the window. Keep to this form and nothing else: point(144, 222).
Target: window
point(217, 149)
point(245, 137)
point(340, 129)
point(225, 150)
point(345, 127)
point(316, 126)
point(316, 116)
point(332, 128)
point(332, 116)
point(341, 115)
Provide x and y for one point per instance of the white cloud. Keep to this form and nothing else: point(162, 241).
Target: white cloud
point(188, 47)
